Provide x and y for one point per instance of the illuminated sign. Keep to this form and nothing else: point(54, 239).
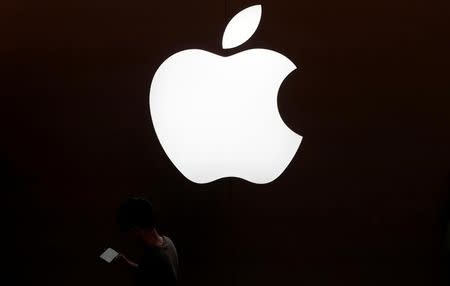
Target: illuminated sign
point(217, 116)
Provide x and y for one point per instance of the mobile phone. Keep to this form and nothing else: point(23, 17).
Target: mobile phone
point(109, 254)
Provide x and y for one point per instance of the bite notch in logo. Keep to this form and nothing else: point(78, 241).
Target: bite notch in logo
point(218, 116)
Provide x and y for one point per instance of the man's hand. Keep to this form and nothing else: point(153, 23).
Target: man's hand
point(123, 259)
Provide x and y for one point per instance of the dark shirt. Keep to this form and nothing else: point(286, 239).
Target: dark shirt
point(158, 266)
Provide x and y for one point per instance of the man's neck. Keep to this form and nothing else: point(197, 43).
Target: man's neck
point(152, 238)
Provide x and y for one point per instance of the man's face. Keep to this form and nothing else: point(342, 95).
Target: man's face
point(136, 234)
point(132, 235)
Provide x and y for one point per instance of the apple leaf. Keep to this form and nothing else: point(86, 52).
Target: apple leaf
point(241, 27)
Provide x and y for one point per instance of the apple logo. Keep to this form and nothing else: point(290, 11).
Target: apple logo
point(218, 116)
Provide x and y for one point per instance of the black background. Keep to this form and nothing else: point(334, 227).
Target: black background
point(361, 203)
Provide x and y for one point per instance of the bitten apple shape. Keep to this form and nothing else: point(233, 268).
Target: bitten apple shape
point(217, 116)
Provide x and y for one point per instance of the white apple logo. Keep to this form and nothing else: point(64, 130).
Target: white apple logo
point(217, 116)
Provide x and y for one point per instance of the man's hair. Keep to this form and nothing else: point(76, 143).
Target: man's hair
point(135, 212)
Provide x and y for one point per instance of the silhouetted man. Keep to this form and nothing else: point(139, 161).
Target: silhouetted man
point(159, 263)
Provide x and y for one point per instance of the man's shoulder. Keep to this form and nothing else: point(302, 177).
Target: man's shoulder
point(168, 240)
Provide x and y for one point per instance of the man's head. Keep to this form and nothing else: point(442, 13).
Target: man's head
point(136, 215)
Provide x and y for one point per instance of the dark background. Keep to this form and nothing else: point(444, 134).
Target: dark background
point(362, 203)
